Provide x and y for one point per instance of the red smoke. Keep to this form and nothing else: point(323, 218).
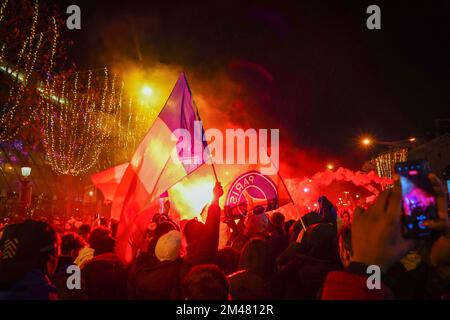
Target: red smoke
point(345, 188)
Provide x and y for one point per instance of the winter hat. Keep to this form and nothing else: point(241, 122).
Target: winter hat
point(277, 219)
point(28, 240)
point(168, 246)
point(25, 246)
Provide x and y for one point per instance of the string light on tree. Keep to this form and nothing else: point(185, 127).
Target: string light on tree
point(78, 127)
point(385, 162)
point(27, 52)
point(20, 71)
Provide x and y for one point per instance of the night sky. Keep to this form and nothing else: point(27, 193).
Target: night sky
point(311, 68)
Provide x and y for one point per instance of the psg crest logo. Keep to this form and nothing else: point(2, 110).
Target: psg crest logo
point(251, 192)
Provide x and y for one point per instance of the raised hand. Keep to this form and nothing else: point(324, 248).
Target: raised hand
point(376, 232)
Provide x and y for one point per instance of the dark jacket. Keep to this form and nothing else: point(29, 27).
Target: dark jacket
point(418, 284)
point(302, 272)
point(277, 241)
point(203, 245)
point(104, 278)
point(35, 285)
point(60, 277)
point(160, 281)
point(256, 271)
point(247, 285)
point(341, 285)
point(302, 278)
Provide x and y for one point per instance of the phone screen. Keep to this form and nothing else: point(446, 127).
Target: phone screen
point(448, 190)
point(419, 203)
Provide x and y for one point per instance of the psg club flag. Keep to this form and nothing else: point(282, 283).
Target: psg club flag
point(246, 191)
point(158, 163)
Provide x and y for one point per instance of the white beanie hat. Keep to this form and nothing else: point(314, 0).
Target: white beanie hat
point(168, 246)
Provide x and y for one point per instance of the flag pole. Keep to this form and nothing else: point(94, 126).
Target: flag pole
point(214, 170)
point(292, 200)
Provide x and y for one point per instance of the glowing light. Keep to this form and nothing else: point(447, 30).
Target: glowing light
point(357, 196)
point(190, 197)
point(366, 141)
point(330, 166)
point(147, 91)
point(305, 189)
point(412, 139)
point(227, 173)
point(26, 171)
point(91, 193)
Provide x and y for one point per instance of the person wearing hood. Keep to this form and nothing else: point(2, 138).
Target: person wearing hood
point(147, 259)
point(277, 238)
point(326, 210)
point(303, 277)
point(71, 244)
point(256, 269)
point(104, 277)
point(161, 281)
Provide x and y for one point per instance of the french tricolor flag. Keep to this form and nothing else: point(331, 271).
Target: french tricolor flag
point(153, 169)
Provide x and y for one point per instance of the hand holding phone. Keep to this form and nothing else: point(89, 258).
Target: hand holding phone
point(418, 199)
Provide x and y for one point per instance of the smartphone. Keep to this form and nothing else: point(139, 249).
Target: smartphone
point(418, 198)
point(448, 190)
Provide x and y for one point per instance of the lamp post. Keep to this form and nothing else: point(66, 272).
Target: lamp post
point(26, 189)
point(368, 141)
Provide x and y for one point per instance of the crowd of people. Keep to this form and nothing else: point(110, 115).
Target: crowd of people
point(265, 257)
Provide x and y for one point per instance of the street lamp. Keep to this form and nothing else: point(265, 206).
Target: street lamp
point(147, 91)
point(366, 141)
point(26, 191)
point(26, 171)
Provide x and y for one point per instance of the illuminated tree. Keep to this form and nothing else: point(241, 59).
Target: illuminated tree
point(386, 161)
point(79, 113)
point(27, 50)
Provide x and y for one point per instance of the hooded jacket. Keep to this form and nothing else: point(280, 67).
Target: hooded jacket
point(256, 270)
point(304, 275)
point(104, 278)
point(160, 281)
